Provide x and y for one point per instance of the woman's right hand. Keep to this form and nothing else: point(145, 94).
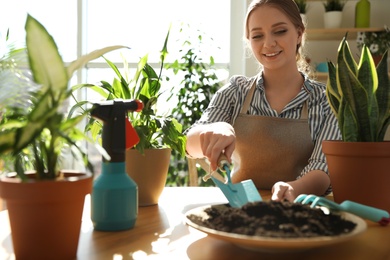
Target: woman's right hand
point(215, 139)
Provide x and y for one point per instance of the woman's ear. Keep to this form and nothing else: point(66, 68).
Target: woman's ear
point(300, 33)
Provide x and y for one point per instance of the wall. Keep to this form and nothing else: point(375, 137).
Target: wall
point(323, 50)
point(319, 50)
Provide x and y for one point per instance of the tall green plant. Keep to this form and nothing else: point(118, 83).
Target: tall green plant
point(359, 95)
point(199, 83)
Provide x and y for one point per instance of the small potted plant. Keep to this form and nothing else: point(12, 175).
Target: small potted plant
point(302, 6)
point(377, 42)
point(333, 13)
point(148, 162)
point(36, 136)
point(359, 95)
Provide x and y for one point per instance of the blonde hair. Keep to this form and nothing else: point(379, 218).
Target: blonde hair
point(291, 10)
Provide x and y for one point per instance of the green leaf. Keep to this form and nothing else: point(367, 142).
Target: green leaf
point(151, 83)
point(27, 134)
point(44, 107)
point(383, 97)
point(355, 95)
point(7, 141)
point(122, 89)
point(80, 62)
point(350, 127)
point(71, 123)
point(78, 106)
point(332, 91)
point(45, 61)
point(136, 90)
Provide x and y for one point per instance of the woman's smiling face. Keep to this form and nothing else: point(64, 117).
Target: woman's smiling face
point(273, 37)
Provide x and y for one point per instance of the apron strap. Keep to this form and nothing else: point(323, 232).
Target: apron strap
point(304, 110)
point(249, 96)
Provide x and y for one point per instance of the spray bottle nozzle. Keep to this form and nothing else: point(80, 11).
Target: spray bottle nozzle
point(113, 113)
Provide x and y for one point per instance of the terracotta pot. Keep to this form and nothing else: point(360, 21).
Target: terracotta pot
point(45, 216)
point(150, 172)
point(377, 59)
point(359, 171)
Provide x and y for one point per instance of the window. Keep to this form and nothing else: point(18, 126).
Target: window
point(81, 26)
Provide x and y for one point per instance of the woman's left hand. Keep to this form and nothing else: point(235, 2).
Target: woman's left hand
point(283, 190)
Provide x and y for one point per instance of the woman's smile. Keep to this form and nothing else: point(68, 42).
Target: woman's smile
point(269, 55)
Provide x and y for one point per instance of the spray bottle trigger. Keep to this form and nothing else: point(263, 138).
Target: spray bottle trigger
point(132, 137)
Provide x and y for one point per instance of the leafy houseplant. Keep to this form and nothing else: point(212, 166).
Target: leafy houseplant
point(43, 129)
point(199, 83)
point(154, 130)
point(334, 5)
point(40, 132)
point(359, 96)
point(302, 6)
point(333, 13)
point(148, 162)
point(377, 42)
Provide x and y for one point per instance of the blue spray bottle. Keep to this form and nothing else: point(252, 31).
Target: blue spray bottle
point(114, 198)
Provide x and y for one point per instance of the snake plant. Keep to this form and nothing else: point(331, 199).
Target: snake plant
point(39, 133)
point(359, 95)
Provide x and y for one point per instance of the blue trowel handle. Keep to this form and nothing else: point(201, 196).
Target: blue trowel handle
point(224, 166)
point(223, 161)
point(371, 213)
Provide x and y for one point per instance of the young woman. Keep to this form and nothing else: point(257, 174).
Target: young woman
point(270, 127)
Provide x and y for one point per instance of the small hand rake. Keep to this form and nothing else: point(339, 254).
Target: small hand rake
point(367, 212)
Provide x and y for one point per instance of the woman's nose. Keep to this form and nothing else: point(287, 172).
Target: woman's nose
point(269, 41)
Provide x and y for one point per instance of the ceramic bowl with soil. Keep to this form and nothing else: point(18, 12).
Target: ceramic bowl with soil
point(274, 224)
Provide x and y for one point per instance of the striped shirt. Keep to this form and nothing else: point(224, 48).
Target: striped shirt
point(227, 102)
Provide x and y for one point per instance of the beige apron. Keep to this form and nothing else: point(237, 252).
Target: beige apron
point(270, 149)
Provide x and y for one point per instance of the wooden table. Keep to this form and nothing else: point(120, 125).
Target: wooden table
point(160, 233)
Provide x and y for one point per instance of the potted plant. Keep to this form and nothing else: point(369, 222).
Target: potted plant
point(302, 6)
point(36, 136)
point(359, 95)
point(11, 75)
point(148, 162)
point(333, 13)
point(199, 82)
point(377, 42)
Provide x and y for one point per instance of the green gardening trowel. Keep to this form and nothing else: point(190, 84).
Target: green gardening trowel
point(238, 194)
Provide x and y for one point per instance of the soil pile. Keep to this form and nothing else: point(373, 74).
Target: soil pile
point(274, 219)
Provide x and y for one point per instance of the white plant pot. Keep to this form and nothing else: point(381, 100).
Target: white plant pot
point(333, 19)
point(304, 19)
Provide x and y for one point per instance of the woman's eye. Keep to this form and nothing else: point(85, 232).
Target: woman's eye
point(257, 36)
point(281, 31)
